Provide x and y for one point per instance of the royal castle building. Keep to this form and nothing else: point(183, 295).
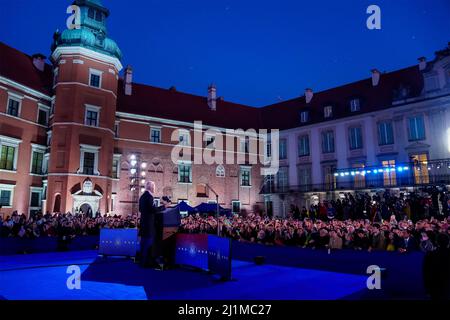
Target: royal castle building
point(77, 134)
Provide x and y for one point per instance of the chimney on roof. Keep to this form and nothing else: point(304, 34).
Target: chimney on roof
point(212, 97)
point(308, 95)
point(128, 80)
point(39, 61)
point(375, 77)
point(422, 63)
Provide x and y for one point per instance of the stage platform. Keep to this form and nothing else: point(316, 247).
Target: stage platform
point(43, 276)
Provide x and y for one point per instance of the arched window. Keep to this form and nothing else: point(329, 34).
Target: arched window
point(220, 171)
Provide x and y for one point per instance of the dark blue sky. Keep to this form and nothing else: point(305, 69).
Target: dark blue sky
point(255, 51)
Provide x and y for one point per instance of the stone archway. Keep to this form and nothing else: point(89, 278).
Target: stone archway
point(86, 208)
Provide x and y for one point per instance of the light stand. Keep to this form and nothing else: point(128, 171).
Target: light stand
point(217, 208)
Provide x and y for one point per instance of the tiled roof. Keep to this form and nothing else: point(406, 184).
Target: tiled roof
point(18, 66)
point(286, 114)
point(174, 105)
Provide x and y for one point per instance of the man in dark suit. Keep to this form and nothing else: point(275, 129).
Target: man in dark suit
point(147, 230)
point(406, 243)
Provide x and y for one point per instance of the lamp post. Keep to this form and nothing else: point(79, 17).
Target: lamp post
point(137, 174)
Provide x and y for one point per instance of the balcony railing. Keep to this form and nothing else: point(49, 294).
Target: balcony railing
point(414, 174)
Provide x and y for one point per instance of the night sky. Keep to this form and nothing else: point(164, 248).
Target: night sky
point(257, 52)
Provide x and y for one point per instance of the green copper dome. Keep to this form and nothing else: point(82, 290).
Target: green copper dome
point(92, 33)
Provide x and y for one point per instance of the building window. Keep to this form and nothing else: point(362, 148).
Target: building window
point(329, 178)
point(88, 163)
point(244, 144)
point(328, 141)
point(92, 116)
point(91, 13)
point(421, 174)
point(355, 105)
point(155, 135)
point(6, 194)
point(283, 149)
point(7, 157)
point(235, 206)
point(416, 128)
point(183, 138)
point(360, 179)
point(184, 173)
point(9, 148)
point(283, 178)
point(355, 138)
point(98, 16)
point(269, 146)
point(95, 78)
point(13, 107)
point(385, 133)
point(220, 171)
point(389, 174)
point(245, 177)
point(303, 146)
point(116, 167)
point(37, 162)
point(209, 141)
point(35, 199)
point(328, 112)
point(304, 116)
point(43, 116)
point(89, 160)
point(304, 176)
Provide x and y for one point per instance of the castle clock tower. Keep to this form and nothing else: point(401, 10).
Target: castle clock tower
point(81, 138)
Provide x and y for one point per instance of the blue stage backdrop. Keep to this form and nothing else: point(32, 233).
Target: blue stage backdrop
point(192, 250)
point(219, 256)
point(118, 242)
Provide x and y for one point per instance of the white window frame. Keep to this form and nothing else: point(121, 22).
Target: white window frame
point(245, 169)
point(91, 149)
point(10, 142)
point(91, 108)
point(35, 190)
point(46, 109)
point(211, 145)
point(355, 105)
point(49, 138)
point(45, 163)
point(232, 203)
point(55, 76)
point(97, 73)
point(117, 157)
point(184, 133)
point(152, 128)
point(220, 168)
point(283, 141)
point(8, 187)
point(184, 163)
point(327, 112)
point(15, 97)
point(304, 116)
point(41, 149)
point(244, 144)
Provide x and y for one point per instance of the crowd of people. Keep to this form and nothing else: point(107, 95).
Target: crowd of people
point(381, 222)
point(61, 224)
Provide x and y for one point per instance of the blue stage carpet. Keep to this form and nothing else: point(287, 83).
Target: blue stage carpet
point(43, 276)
